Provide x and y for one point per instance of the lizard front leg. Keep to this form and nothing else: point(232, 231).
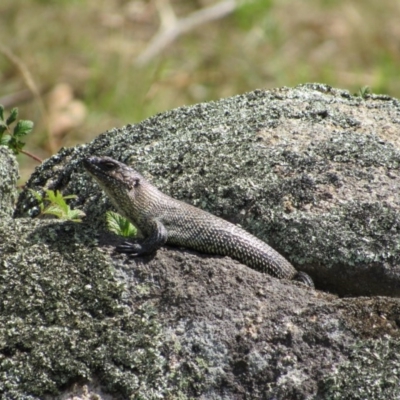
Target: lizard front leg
point(157, 237)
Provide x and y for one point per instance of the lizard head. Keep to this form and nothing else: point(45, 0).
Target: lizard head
point(122, 184)
point(112, 174)
point(131, 194)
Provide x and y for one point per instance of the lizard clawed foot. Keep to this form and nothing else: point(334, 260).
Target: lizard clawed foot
point(133, 249)
point(304, 278)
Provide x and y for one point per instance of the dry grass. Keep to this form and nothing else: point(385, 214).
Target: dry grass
point(92, 45)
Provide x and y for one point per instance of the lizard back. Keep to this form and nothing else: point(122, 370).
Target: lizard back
point(163, 219)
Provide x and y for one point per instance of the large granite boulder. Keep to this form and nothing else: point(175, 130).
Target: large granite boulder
point(312, 170)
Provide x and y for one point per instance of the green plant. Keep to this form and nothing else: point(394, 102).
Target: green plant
point(364, 92)
point(120, 225)
point(57, 206)
point(12, 137)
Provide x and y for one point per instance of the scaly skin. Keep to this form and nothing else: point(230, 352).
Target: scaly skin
point(163, 219)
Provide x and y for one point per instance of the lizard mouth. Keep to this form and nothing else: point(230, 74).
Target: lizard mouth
point(93, 160)
point(91, 164)
point(106, 171)
point(101, 165)
point(94, 167)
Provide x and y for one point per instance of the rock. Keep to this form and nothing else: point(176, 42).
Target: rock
point(312, 171)
point(180, 324)
point(8, 181)
point(177, 325)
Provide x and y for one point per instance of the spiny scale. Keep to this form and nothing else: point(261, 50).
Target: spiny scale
point(163, 219)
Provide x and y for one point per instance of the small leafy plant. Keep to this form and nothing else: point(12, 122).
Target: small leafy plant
point(364, 92)
point(12, 138)
point(57, 205)
point(120, 225)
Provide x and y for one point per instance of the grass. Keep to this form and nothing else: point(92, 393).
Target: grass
point(92, 45)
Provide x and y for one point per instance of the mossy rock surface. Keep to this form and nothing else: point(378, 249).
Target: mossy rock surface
point(174, 325)
point(312, 170)
point(8, 181)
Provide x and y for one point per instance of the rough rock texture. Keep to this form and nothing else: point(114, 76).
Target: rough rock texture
point(292, 166)
point(8, 181)
point(312, 171)
point(178, 325)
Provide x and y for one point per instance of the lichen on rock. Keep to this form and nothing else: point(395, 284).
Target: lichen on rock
point(8, 181)
point(312, 170)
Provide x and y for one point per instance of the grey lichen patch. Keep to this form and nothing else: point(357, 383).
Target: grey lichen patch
point(62, 318)
point(8, 181)
point(360, 266)
point(67, 317)
point(311, 170)
point(84, 392)
point(180, 326)
point(371, 372)
point(200, 358)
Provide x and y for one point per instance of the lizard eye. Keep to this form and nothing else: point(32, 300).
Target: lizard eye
point(136, 182)
point(108, 165)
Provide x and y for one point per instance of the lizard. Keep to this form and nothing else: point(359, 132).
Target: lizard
point(165, 220)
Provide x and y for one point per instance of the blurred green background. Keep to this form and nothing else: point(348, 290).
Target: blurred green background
point(73, 66)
